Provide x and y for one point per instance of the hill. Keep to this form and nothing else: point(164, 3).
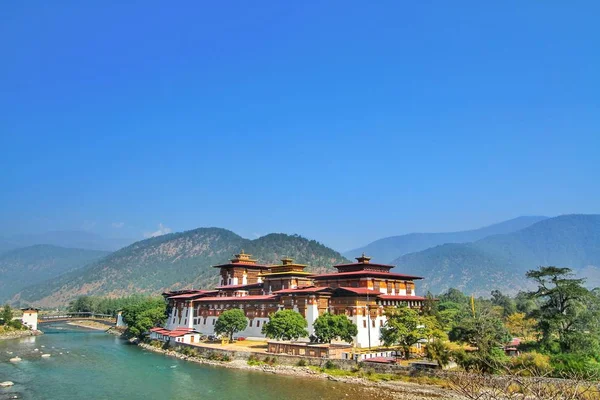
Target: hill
point(174, 261)
point(34, 264)
point(390, 248)
point(70, 239)
point(501, 261)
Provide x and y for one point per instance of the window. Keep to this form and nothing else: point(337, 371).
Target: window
point(258, 323)
point(380, 322)
point(364, 323)
point(250, 324)
point(213, 322)
point(373, 323)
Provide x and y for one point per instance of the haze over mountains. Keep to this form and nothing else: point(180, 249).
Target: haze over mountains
point(175, 261)
point(30, 265)
point(497, 257)
point(389, 248)
point(69, 239)
point(501, 261)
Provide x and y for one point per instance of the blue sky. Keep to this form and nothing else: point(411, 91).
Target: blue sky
point(341, 121)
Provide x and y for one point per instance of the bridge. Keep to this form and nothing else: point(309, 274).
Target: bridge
point(106, 319)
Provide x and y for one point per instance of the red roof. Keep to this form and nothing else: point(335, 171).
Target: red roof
point(243, 264)
point(401, 297)
point(369, 273)
point(309, 289)
point(177, 332)
point(380, 360)
point(249, 285)
point(192, 295)
point(361, 291)
point(239, 298)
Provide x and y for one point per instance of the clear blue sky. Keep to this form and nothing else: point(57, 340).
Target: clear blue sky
point(344, 121)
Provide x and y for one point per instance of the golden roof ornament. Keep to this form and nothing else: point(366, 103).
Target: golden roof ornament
point(363, 259)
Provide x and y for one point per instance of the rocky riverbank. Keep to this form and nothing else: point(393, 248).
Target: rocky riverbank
point(90, 325)
point(18, 334)
point(377, 390)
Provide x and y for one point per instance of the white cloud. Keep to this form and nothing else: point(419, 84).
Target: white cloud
point(162, 230)
point(118, 225)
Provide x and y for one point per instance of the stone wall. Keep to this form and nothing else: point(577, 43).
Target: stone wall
point(285, 359)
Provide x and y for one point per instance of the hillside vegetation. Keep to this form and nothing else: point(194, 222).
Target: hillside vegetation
point(174, 261)
point(500, 261)
point(34, 264)
point(390, 248)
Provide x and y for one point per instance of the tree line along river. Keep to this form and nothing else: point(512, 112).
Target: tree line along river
point(86, 364)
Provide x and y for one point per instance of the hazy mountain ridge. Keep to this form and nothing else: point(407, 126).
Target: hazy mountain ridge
point(390, 248)
point(501, 261)
point(175, 261)
point(68, 239)
point(30, 265)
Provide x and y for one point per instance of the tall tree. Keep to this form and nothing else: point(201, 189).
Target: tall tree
point(506, 303)
point(405, 327)
point(562, 314)
point(285, 325)
point(485, 329)
point(231, 322)
point(329, 327)
point(142, 316)
point(7, 314)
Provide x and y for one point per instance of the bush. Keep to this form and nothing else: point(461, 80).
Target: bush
point(301, 363)
point(575, 366)
point(531, 364)
point(329, 365)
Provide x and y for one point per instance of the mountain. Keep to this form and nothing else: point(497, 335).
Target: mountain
point(34, 264)
point(71, 239)
point(388, 249)
point(501, 261)
point(174, 261)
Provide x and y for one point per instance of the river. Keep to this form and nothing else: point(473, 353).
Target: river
point(87, 364)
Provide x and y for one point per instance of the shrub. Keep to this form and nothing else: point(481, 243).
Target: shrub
point(531, 364)
point(329, 365)
point(301, 363)
point(575, 366)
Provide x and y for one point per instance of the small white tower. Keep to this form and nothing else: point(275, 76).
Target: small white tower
point(30, 317)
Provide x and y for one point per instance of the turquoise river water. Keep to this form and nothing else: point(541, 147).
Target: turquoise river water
point(86, 364)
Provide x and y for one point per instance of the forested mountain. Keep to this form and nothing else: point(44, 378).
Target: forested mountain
point(500, 261)
point(175, 261)
point(34, 264)
point(390, 248)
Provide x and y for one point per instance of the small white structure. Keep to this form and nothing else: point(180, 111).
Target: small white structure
point(179, 335)
point(120, 322)
point(30, 318)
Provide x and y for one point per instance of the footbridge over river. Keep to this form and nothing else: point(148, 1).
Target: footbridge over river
point(106, 319)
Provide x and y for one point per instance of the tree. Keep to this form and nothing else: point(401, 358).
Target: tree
point(562, 313)
point(329, 327)
point(285, 325)
point(405, 327)
point(519, 325)
point(143, 315)
point(7, 314)
point(230, 322)
point(506, 303)
point(485, 330)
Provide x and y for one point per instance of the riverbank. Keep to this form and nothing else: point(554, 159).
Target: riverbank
point(90, 325)
point(18, 334)
point(379, 389)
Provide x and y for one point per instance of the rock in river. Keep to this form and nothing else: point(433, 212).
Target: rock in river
point(6, 384)
point(15, 359)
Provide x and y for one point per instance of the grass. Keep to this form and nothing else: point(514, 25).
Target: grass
point(382, 377)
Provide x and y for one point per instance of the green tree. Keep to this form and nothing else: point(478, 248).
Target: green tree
point(285, 325)
point(506, 303)
point(485, 329)
point(329, 327)
point(230, 322)
point(143, 315)
point(563, 313)
point(7, 314)
point(405, 327)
